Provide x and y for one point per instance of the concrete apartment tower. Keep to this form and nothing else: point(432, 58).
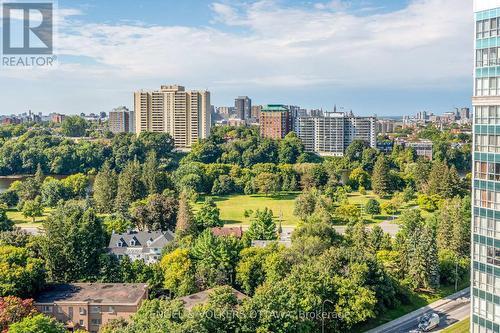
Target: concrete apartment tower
point(119, 120)
point(243, 107)
point(185, 115)
point(485, 267)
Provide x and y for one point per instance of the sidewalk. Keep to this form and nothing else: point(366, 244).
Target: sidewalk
point(417, 313)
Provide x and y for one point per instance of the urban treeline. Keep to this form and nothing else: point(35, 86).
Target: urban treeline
point(129, 181)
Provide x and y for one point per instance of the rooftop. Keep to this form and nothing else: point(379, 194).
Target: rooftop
point(191, 301)
point(100, 293)
point(228, 231)
point(274, 108)
point(141, 239)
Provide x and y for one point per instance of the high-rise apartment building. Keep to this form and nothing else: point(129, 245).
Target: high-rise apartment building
point(243, 107)
point(485, 276)
point(185, 115)
point(119, 120)
point(275, 121)
point(330, 133)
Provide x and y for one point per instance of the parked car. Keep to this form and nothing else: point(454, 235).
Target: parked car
point(428, 322)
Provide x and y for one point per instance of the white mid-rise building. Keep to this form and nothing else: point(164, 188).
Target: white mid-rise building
point(330, 133)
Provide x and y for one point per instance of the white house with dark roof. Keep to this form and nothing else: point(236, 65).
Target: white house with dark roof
point(140, 245)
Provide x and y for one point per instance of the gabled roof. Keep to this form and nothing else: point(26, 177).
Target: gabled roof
point(158, 239)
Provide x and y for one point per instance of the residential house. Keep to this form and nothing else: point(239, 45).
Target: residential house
point(89, 306)
point(140, 245)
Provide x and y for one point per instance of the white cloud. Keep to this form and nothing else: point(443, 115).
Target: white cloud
point(427, 44)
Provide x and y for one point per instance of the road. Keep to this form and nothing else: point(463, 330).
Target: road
point(451, 310)
point(387, 226)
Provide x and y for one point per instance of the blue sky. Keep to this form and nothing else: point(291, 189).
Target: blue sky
point(384, 57)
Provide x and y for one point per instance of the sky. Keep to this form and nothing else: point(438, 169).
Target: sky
point(384, 57)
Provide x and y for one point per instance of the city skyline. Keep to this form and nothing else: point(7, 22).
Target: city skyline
point(105, 53)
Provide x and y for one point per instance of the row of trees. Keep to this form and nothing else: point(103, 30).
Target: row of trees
point(59, 155)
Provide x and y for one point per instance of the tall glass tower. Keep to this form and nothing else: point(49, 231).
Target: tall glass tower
point(485, 284)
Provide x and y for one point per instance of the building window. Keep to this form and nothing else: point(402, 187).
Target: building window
point(83, 311)
point(487, 143)
point(70, 312)
point(95, 309)
point(96, 321)
point(47, 309)
point(111, 309)
point(59, 309)
point(81, 323)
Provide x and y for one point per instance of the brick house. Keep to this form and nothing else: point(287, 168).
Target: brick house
point(91, 305)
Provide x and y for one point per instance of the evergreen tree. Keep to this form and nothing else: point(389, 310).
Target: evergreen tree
point(39, 175)
point(185, 221)
point(372, 207)
point(130, 186)
point(377, 239)
point(105, 188)
point(151, 175)
point(381, 178)
point(6, 224)
point(438, 178)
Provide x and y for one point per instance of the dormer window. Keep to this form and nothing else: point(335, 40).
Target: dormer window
point(119, 244)
point(134, 242)
point(150, 241)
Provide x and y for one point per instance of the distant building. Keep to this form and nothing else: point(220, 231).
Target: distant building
point(185, 115)
point(119, 120)
point(256, 111)
point(422, 148)
point(275, 121)
point(385, 146)
point(11, 121)
point(57, 118)
point(385, 126)
point(243, 107)
point(236, 122)
point(140, 245)
point(330, 133)
point(89, 306)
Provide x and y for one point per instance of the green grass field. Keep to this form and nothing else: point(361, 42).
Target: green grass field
point(361, 200)
point(460, 327)
point(20, 220)
point(232, 207)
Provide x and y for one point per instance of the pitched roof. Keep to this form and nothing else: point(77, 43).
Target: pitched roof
point(228, 231)
point(156, 239)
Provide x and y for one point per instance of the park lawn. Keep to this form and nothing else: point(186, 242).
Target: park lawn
point(232, 207)
point(460, 327)
point(417, 300)
point(360, 200)
point(20, 220)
